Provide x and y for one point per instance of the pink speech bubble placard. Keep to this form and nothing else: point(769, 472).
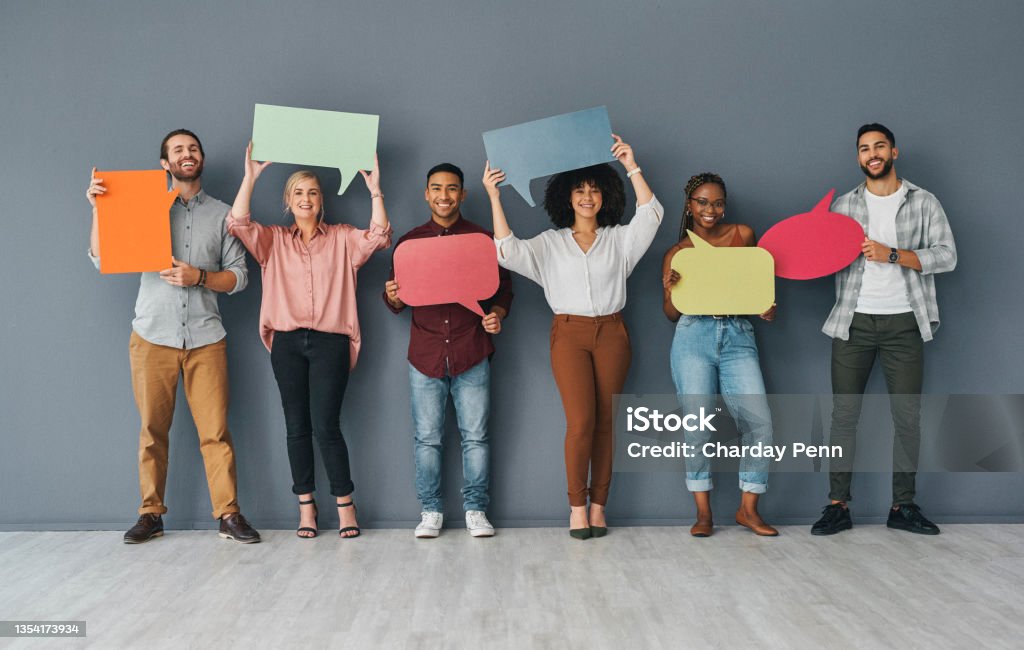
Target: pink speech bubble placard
point(438, 270)
point(813, 244)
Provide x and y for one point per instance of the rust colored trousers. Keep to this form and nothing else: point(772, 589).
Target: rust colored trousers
point(590, 358)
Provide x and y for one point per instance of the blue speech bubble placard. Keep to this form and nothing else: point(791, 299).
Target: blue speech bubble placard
point(548, 146)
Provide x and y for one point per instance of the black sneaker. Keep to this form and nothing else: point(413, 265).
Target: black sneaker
point(834, 518)
point(910, 519)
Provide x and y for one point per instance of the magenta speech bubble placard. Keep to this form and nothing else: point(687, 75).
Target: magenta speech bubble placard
point(438, 270)
point(813, 244)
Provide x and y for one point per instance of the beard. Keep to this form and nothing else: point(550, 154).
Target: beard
point(886, 168)
point(184, 176)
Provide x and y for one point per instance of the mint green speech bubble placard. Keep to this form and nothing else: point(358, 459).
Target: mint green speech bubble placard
point(305, 136)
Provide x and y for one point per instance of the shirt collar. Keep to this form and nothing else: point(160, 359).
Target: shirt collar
point(437, 228)
point(320, 228)
point(907, 184)
point(199, 198)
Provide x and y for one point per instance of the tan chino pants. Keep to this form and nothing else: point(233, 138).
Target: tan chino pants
point(155, 371)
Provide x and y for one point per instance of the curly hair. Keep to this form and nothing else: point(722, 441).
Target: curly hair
point(691, 186)
point(557, 196)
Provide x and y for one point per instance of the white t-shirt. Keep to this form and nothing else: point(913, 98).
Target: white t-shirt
point(882, 289)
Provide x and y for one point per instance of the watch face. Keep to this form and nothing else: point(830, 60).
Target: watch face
point(894, 256)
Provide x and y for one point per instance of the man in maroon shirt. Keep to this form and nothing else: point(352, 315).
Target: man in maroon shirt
point(449, 354)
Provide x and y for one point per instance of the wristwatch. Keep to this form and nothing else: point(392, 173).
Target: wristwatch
point(894, 256)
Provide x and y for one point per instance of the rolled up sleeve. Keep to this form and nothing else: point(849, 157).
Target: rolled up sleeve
point(525, 257)
point(365, 243)
point(640, 231)
point(939, 255)
point(232, 258)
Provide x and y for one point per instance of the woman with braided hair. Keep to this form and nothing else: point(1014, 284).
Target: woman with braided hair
point(714, 355)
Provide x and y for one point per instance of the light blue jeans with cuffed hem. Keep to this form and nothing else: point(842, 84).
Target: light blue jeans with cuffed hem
point(719, 355)
point(470, 392)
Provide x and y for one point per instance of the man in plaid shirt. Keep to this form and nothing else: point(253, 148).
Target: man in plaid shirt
point(885, 307)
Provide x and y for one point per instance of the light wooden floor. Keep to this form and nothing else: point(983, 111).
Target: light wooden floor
point(525, 588)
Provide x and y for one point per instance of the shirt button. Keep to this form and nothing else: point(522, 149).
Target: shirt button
point(446, 322)
point(446, 340)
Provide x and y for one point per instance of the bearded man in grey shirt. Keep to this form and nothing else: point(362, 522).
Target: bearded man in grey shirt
point(177, 331)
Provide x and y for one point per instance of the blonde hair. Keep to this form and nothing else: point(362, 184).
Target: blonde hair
point(295, 179)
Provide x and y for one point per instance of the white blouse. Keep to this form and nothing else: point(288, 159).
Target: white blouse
point(583, 284)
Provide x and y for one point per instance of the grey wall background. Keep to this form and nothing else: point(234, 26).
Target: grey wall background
point(767, 94)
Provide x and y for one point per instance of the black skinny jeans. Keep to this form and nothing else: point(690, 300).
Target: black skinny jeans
point(311, 369)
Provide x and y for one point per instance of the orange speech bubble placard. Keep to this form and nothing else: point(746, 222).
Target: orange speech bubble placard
point(439, 270)
point(134, 221)
point(813, 244)
point(720, 280)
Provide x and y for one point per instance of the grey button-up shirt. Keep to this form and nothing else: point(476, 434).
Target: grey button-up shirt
point(187, 317)
point(921, 226)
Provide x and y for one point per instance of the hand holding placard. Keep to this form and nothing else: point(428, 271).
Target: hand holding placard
point(302, 136)
point(134, 220)
point(438, 270)
point(722, 280)
point(548, 146)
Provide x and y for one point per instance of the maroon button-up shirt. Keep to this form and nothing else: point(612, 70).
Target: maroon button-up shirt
point(449, 339)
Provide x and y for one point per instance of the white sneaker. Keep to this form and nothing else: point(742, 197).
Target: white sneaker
point(430, 524)
point(477, 524)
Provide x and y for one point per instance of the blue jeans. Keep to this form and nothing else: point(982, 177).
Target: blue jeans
point(470, 392)
point(712, 356)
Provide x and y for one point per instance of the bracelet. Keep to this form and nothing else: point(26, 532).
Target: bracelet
point(376, 195)
point(633, 173)
point(202, 278)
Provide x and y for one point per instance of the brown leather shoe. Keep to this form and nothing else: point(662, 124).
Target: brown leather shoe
point(146, 528)
point(761, 528)
point(234, 526)
point(703, 528)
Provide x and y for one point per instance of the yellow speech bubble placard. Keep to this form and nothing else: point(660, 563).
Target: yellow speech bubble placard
point(723, 280)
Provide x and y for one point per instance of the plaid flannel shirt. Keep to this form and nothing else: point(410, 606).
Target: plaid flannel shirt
point(921, 226)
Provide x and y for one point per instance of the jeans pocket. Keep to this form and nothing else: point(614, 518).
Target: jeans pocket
point(685, 320)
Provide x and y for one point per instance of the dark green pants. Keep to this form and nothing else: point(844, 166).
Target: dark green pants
point(896, 341)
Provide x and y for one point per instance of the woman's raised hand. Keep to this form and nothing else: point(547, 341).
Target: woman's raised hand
point(372, 178)
point(252, 168)
point(624, 153)
point(491, 179)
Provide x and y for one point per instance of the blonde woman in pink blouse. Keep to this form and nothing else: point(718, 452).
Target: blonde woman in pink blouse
point(309, 323)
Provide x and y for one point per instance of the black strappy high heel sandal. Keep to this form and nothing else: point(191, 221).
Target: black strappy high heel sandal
point(316, 520)
point(347, 529)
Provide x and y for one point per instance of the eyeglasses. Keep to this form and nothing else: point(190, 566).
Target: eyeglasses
point(718, 205)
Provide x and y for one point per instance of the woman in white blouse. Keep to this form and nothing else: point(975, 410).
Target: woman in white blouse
point(583, 264)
